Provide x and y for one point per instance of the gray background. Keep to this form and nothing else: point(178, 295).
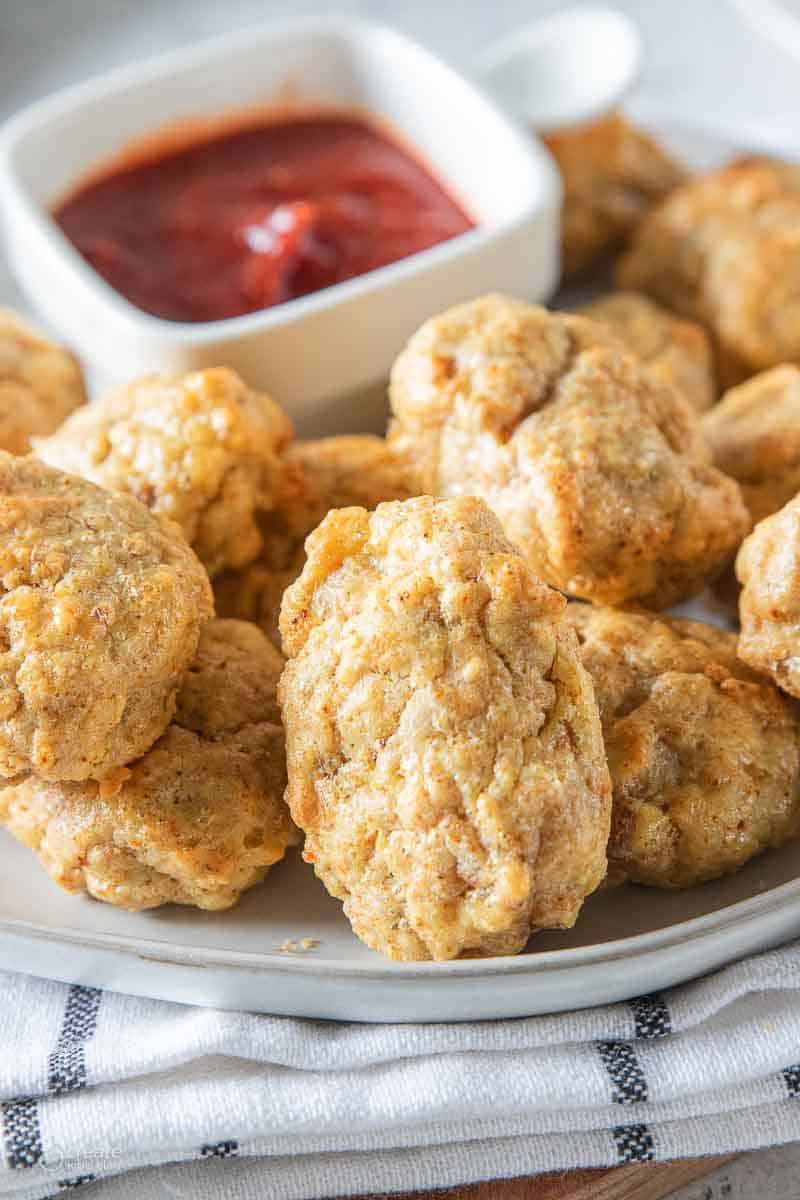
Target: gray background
point(704, 65)
point(701, 58)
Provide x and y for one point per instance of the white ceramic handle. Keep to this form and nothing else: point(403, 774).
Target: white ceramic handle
point(564, 69)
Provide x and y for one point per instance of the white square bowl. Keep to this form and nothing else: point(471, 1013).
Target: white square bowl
point(311, 351)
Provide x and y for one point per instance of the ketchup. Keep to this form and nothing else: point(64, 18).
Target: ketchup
point(257, 216)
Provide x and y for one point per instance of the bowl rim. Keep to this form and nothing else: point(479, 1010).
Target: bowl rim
point(130, 319)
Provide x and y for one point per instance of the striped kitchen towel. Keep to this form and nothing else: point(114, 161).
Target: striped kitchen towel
point(127, 1098)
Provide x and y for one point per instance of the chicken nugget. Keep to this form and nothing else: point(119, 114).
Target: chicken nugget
point(768, 568)
point(444, 751)
point(724, 249)
point(754, 435)
point(676, 352)
point(333, 472)
point(100, 612)
point(40, 384)
point(704, 754)
point(201, 449)
point(613, 174)
point(597, 472)
point(196, 820)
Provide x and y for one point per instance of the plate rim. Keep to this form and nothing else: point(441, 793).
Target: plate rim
point(739, 914)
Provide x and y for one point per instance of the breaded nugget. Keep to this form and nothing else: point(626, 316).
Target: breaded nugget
point(613, 174)
point(195, 821)
point(255, 593)
point(676, 352)
point(40, 384)
point(231, 683)
point(768, 568)
point(754, 435)
point(597, 472)
point(100, 613)
point(704, 754)
point(444, 750)
point(333, 472)
point(725, 250)
point(201, 449)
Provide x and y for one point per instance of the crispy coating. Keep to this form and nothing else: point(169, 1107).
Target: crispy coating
point(334, 472)
point(201, 449)
point(231, 683)
point(100, 611)
point(768, 568)
point(613, 174)
point(724, 249)
point(676, 352)
point(597, 472)
point(704, 754)
point(196, 820)
point(40, 384)
point(754, 435)
point(444, 750)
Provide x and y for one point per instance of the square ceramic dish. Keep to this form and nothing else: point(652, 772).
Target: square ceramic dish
point(311, 351)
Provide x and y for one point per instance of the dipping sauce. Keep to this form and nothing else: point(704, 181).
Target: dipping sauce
point(257, 216)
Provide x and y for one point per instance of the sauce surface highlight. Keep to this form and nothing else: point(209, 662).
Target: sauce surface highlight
point(257, 216)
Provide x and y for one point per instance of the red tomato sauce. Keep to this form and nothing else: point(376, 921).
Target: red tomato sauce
point(257, 216)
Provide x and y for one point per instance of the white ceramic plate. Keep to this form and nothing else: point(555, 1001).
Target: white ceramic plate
point(627, 941)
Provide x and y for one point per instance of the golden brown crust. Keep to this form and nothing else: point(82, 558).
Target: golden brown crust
point(704, 754)
point(724, 249)
point(768, 568)
point(232, 681)
point(40, 384)
point(613, 174)
point(341, 472)
point(443, 745)
point(100, 613)
point(676, 352)
point(599, 474)
point(201, 449)
point(197, 819)
point(754, 435)
point(334, 472)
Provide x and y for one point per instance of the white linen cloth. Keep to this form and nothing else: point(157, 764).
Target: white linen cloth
point(95, 1086)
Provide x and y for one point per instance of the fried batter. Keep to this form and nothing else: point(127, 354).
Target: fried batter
point(613, 174)
point(201, 449)
point(40, 384)
point(195, 821)
point(100, 612)
point(724, 249)
point(768, 568)
point(597, 472)
point(333, 472)
point(676, 352)
point(704, 754)
point(754, 435)
point(444, 750)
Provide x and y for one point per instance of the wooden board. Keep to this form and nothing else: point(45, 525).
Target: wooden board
point(639, 1181)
